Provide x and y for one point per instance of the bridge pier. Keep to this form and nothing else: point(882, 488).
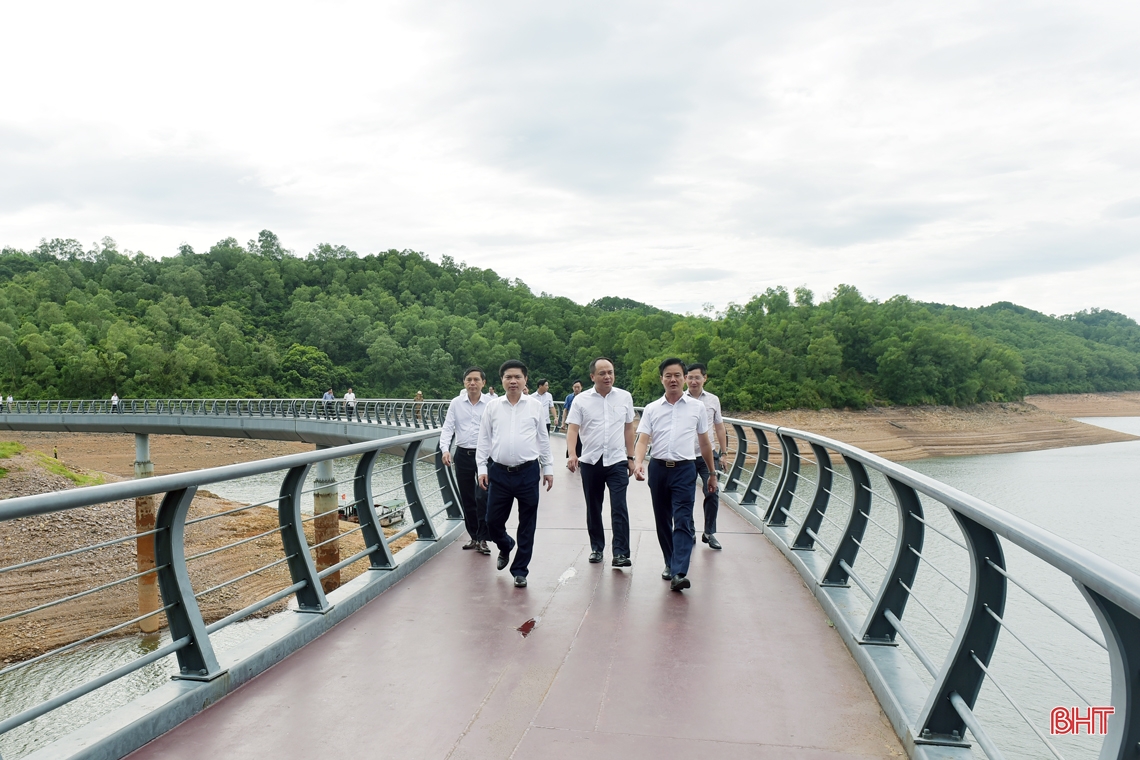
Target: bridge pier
point(145, 509)
point(326, 523)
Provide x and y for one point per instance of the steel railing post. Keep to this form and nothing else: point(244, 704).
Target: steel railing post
point(814, 517)
point(426, 530)
point(734, 472)
point(752, 490)
point(1122, 637)
point(448, 488)
point(848, 549)
point(370, 529)
point(196, 661)
point(977, 637)
point(789, 479)
point(893, 594)
point(311, 597)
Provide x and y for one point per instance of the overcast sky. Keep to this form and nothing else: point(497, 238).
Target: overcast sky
point(675, 153)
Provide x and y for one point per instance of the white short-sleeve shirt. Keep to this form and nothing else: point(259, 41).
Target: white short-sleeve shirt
point(601, 422)
point(712, 404)
point(672, 427)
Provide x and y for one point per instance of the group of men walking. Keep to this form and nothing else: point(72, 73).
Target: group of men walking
point(503, 456)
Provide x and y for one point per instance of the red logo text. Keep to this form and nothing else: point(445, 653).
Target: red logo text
point(1069, 720)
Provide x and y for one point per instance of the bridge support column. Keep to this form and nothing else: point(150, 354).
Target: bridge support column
point(326, 525)
point(145, 508)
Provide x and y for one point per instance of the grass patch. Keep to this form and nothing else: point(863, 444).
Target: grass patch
point(56, 467)
point(8, 448)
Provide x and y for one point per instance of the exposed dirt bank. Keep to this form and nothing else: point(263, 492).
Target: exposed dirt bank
point(1125, 404)
point(905, 433)
point(30, 538)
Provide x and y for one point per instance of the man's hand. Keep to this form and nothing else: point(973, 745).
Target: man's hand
point(549, 481)
point(572, 463)
point(712, 482)
point(629, 464)
point(483, 482)
point(639, 469)
point(447, 458)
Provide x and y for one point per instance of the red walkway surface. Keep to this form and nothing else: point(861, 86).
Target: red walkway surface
point(742, 665)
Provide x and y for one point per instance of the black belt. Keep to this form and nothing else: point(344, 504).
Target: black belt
point(517, 467)
point(671, 462)
point(464, 451)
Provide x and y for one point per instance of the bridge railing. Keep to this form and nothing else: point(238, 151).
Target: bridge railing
point(405, 413)
point(428, 492)
point(896, 557)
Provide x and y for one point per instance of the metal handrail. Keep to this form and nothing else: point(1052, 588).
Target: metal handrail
point(193, 647)
point(946, 710)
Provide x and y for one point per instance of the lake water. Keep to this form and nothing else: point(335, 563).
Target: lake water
point(1085, 494)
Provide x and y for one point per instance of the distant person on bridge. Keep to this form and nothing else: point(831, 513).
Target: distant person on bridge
point(543, 396)
point(514, 448)
point(602, 421)
point(114, 401)
point(464, 414)
point(350, 403)
point(566, 406)
point(329, 400)
point(669, 425)
point(695, 378)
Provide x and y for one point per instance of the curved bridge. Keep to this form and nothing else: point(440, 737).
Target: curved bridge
point(326, 423)
point(913, 575)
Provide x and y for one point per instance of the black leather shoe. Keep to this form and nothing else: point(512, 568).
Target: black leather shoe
point(520, 581)
point(679, 582)
point(484, 549)
point(710, 539)
point(504, 558)
point(472, 544)
point(621, 561)
point(595, 557)
point(666, 574)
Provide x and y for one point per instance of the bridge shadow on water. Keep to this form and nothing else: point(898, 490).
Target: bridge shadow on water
point(588, 661)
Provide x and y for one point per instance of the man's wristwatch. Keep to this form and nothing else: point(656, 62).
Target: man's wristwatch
point(630, 459)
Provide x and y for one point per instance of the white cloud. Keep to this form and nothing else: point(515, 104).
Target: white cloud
point(672, 153)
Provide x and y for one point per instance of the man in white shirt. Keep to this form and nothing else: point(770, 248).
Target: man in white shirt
point(669, 425)
point(603, 418)
point(542, 395)
point(462, 425)
point(514, 448)
point(695, 378)
point(350, 403)
point(114, 402)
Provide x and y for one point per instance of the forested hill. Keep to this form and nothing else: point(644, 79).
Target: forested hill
point(255, 320)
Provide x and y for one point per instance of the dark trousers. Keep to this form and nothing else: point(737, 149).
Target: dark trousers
point(595, 479)
point(504, 488)
point(471, 496)
point(672, 490)
point(712, 500)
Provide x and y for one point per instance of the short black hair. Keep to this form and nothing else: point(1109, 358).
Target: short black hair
point(698, 365)
point(512, 364)
point(541, 383)
point(594, 364)
point(469, 370)
point(669, 363)
point(576, 382)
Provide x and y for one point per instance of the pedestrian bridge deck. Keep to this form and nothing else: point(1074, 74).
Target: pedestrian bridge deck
point(744, 664)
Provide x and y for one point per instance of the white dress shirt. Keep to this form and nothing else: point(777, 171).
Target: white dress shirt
point(546, 400)
point(712, 404)
point(672, 427)
point(601, 422)
point(462, 421)
point(511, 434)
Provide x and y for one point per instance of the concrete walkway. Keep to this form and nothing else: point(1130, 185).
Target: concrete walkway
point(742, 665)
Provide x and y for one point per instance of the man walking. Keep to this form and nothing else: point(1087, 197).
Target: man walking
point(695, 378)
point(514, 448)
point(542, 395)
point(669, 425)
point(566, 406)
point(350, 403)
point(464, 414)
point(602, 418)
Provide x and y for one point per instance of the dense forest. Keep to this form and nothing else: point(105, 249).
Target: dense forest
point(256, 320)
